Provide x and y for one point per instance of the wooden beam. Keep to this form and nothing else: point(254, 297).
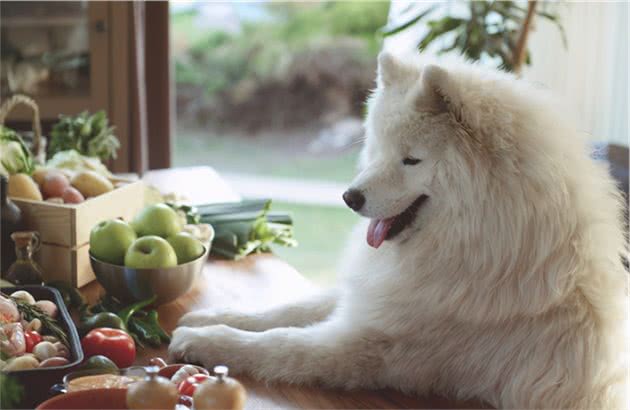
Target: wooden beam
point(158, 84)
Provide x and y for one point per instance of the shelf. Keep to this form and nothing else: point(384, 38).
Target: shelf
point(42, 22)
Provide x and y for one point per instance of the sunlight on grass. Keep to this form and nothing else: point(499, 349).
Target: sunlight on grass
point(322, 232)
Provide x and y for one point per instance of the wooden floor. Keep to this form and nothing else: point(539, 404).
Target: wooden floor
point(257, 283)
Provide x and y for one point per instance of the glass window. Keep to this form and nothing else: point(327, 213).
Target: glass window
point(271, 95)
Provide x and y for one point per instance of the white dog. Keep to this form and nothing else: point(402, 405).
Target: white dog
point(494, 269)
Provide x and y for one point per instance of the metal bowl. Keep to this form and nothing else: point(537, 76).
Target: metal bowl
point(131, 285)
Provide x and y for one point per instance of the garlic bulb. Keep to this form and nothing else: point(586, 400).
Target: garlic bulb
point(44, 350)
point(183, 372)
point(23, 296)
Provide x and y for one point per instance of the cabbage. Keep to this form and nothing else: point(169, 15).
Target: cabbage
point(73, 161)
point(14, 156)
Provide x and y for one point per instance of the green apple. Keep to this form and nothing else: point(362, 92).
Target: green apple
point(187, 247)
point(158, 219)
point(109, 241)
point(150, 252)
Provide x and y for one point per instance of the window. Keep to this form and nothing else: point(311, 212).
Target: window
point(271, 95)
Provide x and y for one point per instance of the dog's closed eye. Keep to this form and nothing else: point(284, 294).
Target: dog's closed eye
point(411, 161)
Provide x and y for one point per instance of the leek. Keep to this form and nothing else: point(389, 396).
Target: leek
point(243, 228)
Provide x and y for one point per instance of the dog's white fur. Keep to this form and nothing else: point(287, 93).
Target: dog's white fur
point(508, 287)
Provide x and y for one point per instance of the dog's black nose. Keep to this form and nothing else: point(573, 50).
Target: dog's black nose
point(354, 199)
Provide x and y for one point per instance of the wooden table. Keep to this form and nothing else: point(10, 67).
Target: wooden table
point(259, 282)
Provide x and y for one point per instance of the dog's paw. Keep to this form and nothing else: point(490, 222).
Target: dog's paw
point(181, 344)
point(200, 318)
point(208, 346)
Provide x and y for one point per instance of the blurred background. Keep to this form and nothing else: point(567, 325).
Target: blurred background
point(271, 94)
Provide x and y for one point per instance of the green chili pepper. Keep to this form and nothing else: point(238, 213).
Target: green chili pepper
point(154, 320)
point(144, 332)
point(127, 312)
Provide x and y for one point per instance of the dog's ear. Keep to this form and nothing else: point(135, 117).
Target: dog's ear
point(390, 70)
point(428, 94)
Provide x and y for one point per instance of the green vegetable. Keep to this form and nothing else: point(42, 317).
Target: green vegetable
point(73, 161)
point(127, 312)
point(142, 325)
point(190, 212)
point(11, 392)
point(99, 362)
point(102, 319)
point(88, 134)
point(144, 333)
point(15, 157)
point(246, 227)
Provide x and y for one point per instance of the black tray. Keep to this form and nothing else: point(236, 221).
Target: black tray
point(37, 382)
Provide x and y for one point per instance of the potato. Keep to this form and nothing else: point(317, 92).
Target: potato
point(21, 363)
point(54, 362)
point(39, 174)
point(23, 186)
point(55, 200)
point(55, 183)
point(89, 183)
point(72, 196)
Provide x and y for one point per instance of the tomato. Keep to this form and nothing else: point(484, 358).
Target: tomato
point(114, 344)
point(31, 338)
point(188, 386)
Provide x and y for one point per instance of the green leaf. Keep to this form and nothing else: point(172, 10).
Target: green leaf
point(11, 392)
point(393, 28)
point(439, 28)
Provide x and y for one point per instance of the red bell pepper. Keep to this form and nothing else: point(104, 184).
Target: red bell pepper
point(187, 387)
point(31, 338)
point(114, 344)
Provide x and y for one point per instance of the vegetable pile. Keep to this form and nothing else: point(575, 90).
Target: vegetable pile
point(73, 172)
point(112, 329)
point(142, 325)
point(242, 228)
point(30, 337)
point(89, 135)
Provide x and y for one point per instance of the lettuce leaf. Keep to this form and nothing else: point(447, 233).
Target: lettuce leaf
point(15, 157)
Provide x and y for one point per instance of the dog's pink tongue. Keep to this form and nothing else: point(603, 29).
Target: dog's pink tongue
point(377, 231)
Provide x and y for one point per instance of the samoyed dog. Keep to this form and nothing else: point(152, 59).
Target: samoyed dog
point(491, 268)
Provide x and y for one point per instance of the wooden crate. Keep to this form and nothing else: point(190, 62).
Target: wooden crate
point(65, 229)
point(69, 264)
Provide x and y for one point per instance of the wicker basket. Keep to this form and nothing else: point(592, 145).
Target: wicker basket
point(35, 141)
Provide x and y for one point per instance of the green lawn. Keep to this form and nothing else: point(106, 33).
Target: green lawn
point(322, 232)
point(262, 156)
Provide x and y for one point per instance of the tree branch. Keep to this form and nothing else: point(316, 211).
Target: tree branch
point(520, 50)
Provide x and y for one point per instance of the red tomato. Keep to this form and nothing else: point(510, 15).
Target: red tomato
point(115, 344)
point(31, 338)
point(188, 386)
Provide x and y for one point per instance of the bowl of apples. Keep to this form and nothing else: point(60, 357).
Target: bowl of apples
point(152, 256)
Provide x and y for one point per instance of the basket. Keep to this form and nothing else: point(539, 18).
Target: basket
point(37, 143)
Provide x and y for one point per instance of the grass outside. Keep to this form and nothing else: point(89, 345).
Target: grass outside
point(262, 156)
point(322, 233)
